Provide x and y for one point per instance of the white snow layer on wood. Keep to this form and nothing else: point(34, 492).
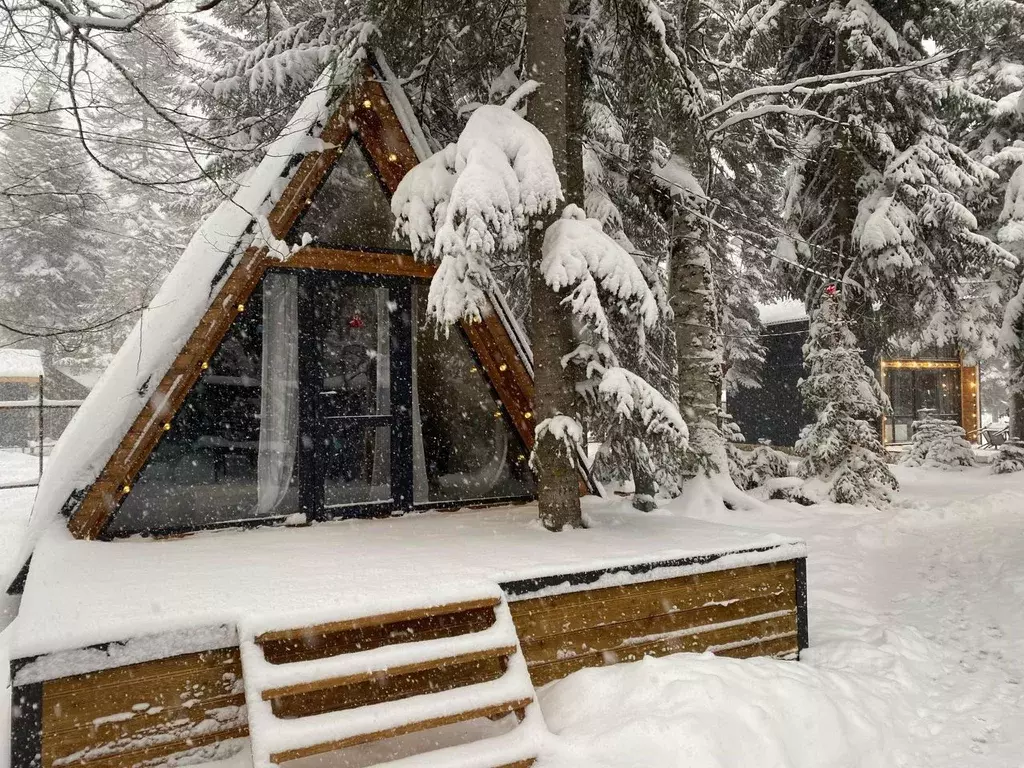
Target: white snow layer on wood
point(120, 654)
point(473, 200)
point(21, 363)
point(403, 109)
point(81, 593)
point(166, 325)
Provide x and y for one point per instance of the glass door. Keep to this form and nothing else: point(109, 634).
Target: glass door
point(352, 434)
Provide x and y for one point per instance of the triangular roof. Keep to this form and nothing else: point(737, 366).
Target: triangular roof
point(113, 433)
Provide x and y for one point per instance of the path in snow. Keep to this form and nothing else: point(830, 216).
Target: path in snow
point(924, 603)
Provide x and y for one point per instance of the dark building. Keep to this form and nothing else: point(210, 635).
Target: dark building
point(934, 380)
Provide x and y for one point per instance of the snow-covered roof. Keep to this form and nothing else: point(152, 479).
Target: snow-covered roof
point(301, 576)
point(20, 363)
point(87, 378)
point(145, 356)
point(785, 311)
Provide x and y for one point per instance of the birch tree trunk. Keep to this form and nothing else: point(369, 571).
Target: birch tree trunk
point(698, 347)
point(692, 298)
point(550, 327)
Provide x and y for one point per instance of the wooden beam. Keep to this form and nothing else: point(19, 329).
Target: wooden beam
point(696, 642)
point(398, 669)
point(495, 710)
point(383, 618)
point(365, 262)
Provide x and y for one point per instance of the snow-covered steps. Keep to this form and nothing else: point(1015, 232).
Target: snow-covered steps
point(370, 684)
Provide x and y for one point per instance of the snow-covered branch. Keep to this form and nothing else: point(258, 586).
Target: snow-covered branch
point(471, 202)
point(579, 255)
point(817, 84)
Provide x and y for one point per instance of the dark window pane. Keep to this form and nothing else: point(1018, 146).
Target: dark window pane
point(901, 392)
point(353, 393)
point(470, 449)
point(351, 209)
point(203, 471)
point(949, 393)
point(927, 392)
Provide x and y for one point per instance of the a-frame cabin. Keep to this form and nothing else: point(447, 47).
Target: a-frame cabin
point(284, 377)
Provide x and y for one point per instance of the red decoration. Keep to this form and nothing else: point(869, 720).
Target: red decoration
point(831, 290)
point(356, 321)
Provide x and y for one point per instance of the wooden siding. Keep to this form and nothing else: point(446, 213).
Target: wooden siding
point(125, 716)
point(969, 401)
point(738, 612)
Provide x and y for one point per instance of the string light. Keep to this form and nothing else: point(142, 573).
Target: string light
point(528, 415)
point(241, 307)
point(367, 103)
point(392, 158)
point(126, 488)
point(167, 426)
point(502, 367)
point(205, 365)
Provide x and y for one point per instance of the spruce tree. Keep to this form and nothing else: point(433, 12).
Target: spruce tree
point(52, 215)
point(876, 191)
point(841, 449)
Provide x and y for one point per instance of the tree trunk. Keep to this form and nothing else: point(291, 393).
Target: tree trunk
point(692, 298)
point(575, 190)
point(1016, 415)
point(698, 352)
point(550, 327)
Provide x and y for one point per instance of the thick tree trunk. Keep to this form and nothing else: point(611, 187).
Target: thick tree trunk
point(1017, 415)
point(550, 327)
point(698, 351)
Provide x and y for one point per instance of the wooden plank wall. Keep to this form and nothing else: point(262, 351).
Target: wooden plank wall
point(141, 713)
point(741, 612)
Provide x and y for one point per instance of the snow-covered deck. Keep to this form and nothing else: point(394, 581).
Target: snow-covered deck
point(81, 593)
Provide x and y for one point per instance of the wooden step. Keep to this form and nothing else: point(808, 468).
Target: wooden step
point(308, 706)
point(491, 711)
point(368, 632)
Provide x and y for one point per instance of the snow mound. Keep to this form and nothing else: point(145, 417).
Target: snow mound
point(703, 711)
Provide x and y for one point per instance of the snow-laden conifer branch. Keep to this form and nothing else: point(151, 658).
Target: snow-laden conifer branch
point(816, 85)
point(471, 202)
point(294, 56)
point(580, 256)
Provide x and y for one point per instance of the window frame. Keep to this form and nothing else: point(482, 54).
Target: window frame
point(311, 482)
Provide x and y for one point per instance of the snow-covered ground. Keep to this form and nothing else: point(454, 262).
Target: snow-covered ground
point(17, 467)
point(917, 658)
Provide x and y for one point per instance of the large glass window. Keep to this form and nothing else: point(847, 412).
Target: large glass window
point(203, 472)
point(913, 392)
point(353, 393)
point(332, 396)
point(351, 209)
point(470, 448)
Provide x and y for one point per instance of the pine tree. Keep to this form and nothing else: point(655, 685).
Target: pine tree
point(938, 443)
point(841, 448)
point(876, 193)
point(51, 211)
point(988, 83)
